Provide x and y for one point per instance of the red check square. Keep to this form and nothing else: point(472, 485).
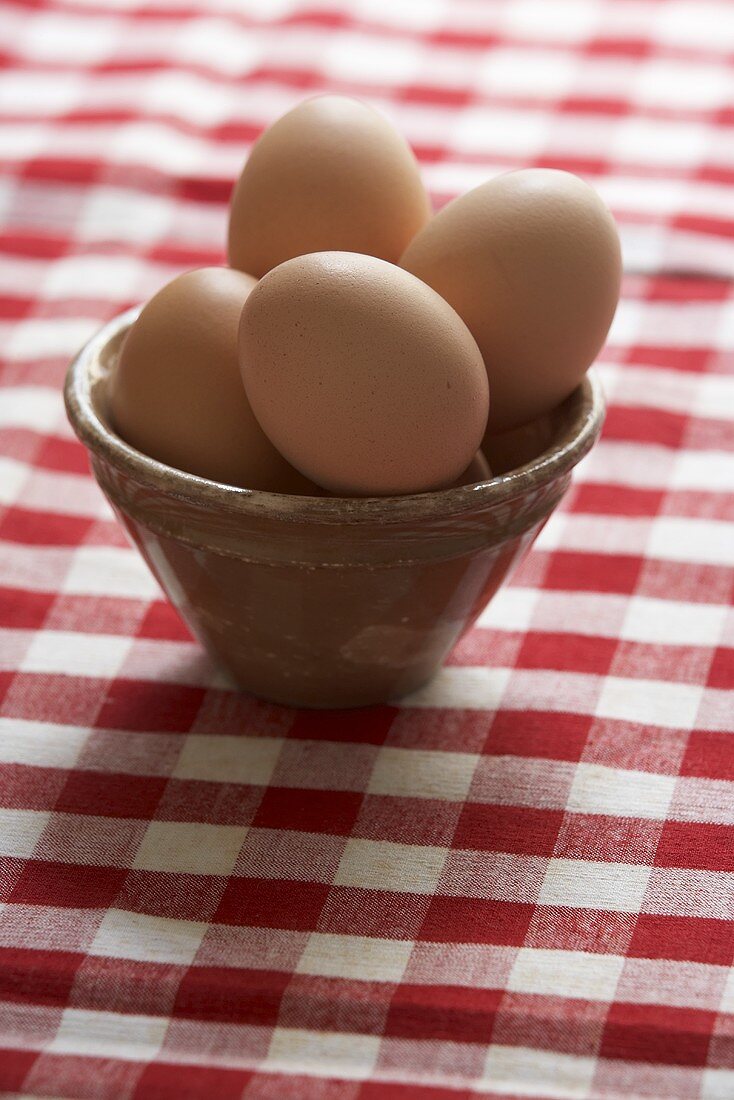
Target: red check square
point(450, 1013)
point(708, 755)
point(111, 795)
point(474, 920)
point(643, 1033)
point(21, 610)
point(37, 977)
point(310, 811)
point(174, 1081)
point(519, 829)
point(231, 995)
point(696, 844)
point(132, 705)
point(699, 939)
point(44, 882)
point(271, 903)
point(538, 733)
point(15, 1065)
point(575, 652)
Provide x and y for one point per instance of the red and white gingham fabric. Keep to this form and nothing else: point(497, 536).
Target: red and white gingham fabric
point(520, 881)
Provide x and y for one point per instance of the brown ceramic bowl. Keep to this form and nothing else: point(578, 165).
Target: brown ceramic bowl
point(323, 601)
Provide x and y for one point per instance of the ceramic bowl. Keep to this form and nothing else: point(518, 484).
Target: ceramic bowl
point(323, 601)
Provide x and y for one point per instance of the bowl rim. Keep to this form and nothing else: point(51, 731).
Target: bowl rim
point(151, 474)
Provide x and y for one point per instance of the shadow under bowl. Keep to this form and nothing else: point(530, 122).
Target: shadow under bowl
point(323, 601)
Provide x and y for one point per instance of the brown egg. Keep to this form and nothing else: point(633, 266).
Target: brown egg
point(362, 376)
point(477, 471)
point(330, 174)
point(531, 261)
point(177, 394)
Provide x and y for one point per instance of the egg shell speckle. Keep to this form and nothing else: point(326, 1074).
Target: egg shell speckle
point(362, 376)
point(531, 261)
point(176, 393)
point(332, 173)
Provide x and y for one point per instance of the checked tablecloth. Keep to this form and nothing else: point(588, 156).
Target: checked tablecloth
point(519, 881)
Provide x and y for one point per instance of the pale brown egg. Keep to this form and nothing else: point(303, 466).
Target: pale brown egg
point(362, 376)
point(177, 395)
point(477, 471)
point(531, 261)
point(332, 174)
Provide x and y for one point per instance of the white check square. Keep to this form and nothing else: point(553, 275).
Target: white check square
point(97, 1034)
point(717, 1084)
point(413, 773)
point(109, 571)
point(329, 1053)
point(382, 865)
point(14, 476)
point(650, 702)
point(355, 957)
point(672, 622)
point(75, 654)
point(224, 759)
point(511, 609)
point(727, 997)
point(541, 1072)
point(585, 884)
point(146, 217)
point(125, 935)
point(190, 848)
point(620, 793)
point(40, 743)
point(506, 131)
point(20, 831)
point(53, 36)
point(551, 973)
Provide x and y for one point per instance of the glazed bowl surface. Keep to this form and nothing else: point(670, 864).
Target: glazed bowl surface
point(323, 601)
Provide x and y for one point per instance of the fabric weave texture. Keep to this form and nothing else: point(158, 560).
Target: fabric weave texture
point(520, 881)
